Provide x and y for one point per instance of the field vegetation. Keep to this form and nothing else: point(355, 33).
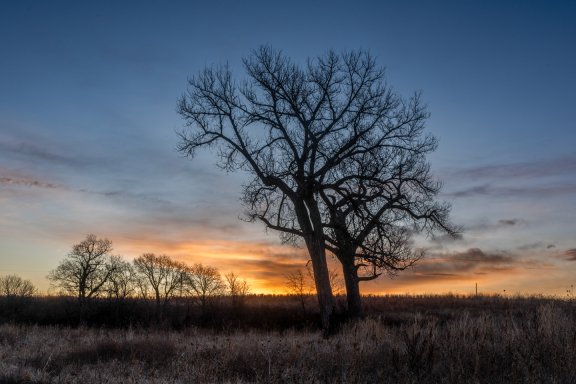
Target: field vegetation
point(401, 339)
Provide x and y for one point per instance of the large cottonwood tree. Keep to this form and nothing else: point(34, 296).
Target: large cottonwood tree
point(312, 138)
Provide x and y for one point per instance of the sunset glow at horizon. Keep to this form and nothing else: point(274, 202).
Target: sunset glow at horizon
point(87, 134)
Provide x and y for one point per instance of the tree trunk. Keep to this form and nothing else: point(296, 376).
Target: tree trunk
point(317, 251)
point(326, 300)
point(310, 222)
point(158, 308)
point(352, 288)
point(82, 302)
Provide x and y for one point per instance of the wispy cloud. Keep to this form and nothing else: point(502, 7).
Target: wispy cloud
point(31, 183)
point(490, 190)
point(535, 169)
point(527, 247)
point(571, 253)
point(529, 179)
point(502, 224)
point(114, 194)
point(35, 152)
point(476, 261)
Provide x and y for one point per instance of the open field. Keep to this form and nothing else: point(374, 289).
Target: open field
point(403, 339)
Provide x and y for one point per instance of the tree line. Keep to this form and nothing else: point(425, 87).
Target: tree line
point(91, 271)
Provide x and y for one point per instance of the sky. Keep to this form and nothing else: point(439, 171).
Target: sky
point(88, 94)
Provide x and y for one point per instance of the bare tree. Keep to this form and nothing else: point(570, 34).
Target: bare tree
point(122, 282)
point(378, 201)
point(336, 281)
point(14, 285)
point(163, 275)
point(320, 142)
point(238, 289)
point(300, 286)
point(85, 270)
point(204, 283)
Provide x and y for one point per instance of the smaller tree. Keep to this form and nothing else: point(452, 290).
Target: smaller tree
point(336, 282)
point(204, 283)
point(14, 285)
point(16, 297)
point(85, 270)
point(301, 287)
point(164, 275)
point(122, 282)
point(238, 289)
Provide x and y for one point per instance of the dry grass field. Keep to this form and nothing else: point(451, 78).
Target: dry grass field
point(403, 339)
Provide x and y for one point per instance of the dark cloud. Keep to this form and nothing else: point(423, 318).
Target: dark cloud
point(571, 253)
point(474, 191)
point(494, 176)
point(551, 246)
point(439, 243)
point(33, 151)
point(128, 195)
point(488, 190)
point(527, 247)
point(559, 166)
point(509, 222)
point(472, 261)
point(479, 256)
point(117, 194)
point(446, 239)
point(31, 183)
point(501, 224)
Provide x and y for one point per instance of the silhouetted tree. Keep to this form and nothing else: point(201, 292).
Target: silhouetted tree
point(15, 297)
point(204, 283)
point(85, 270)
point(238, 289)
point(336, 158)
point(122, 281)
point(14, 285)
point(162, 274)
point(300, 286)
point(379, 200)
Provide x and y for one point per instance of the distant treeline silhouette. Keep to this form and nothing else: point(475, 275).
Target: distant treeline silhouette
point(91, 286)
point(94, 286)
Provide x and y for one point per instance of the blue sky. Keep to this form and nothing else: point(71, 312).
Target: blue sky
point(87, 118)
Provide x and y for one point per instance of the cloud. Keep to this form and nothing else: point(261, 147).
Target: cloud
point(509, 222)
point(479, 256)
point(29, 150)
point(527, 247)
point(571, 253)
point(474, 261)
point(128, 195)
point(499, 225)
point(114, 194)
point(559, 166)
point(489, 190)
point(492, 179)
point(31, 183)
point(446, 239)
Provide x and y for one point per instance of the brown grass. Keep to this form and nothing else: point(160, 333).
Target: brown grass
point(418, 339)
